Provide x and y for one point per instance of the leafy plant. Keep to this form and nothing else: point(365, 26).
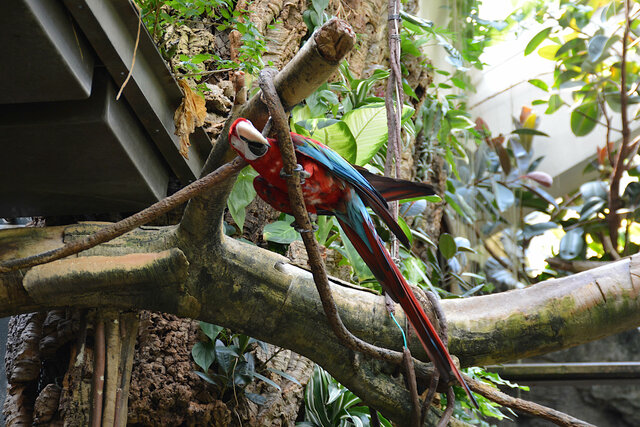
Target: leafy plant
point(328, 403)
point(159, 15)
point(227, 362)
point(596, 61)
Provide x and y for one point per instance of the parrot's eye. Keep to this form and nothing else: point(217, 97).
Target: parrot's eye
point(257, 148)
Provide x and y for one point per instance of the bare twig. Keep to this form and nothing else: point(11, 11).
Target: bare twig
point(121, 227)
point(271, 99)
point(410, 376)
point(446, 416)
point(135, 51)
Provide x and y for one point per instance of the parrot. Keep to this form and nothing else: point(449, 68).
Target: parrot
point(333, 186)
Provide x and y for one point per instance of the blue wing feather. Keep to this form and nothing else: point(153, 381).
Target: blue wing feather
point(346, 171)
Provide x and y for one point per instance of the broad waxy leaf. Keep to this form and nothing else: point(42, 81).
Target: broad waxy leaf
point(572, 244)
point(591, 207)
point(210, 329)
point(368, 125)
point(584, 118)
point(280, 232)
point(447, 245)
point(241, 195)
point(536, 40)
point(532, 230)
point(339, 138)
point(539, 84)
point(594, 189)
point(596, 47)
point(504, 196)
point(555, 102)
point(203, 354)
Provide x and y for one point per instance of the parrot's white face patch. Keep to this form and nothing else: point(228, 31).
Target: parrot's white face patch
point(248, 141)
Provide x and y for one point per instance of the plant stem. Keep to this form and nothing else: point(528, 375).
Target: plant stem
point(613, 218)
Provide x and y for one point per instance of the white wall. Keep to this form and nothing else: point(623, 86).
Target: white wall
point(502, 90)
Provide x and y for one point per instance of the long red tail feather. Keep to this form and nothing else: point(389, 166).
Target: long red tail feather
point(392, 281)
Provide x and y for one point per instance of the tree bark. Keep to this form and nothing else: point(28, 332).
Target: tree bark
point(259, 293)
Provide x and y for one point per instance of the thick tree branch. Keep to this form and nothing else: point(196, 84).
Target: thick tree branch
point(258, 293)
point(129, 223)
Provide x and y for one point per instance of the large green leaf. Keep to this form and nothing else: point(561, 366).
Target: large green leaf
point(555, 102)
point(504, 196)
point(571, 244)
point(368, 125)
point(203, 354)
point(241, 195)
point(447, 245)
point(210, 329)
point(596, 46)
point(584, 118)
point(536, 40)
point(280, 232)
point(338, 136)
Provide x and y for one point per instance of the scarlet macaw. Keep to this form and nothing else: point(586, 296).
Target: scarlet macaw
point(332, 186)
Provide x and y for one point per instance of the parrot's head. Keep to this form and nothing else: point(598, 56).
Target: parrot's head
point(247, 140)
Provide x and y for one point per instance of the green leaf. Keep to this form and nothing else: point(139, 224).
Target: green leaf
point(369, 128)
point(280, 232)
point(267, 380)
point(339, 138)
point(464, 245)
point(210, 330)
point(527, 131)
point(285, 375)
point(555, 102)
point(407, 231)
point(596, 47)
point(573, 44)
point(584, 118)
point(241, 195)
point(549, 51)
point(591, 207)
point(571, 244)
point(447, 245)
point(504, 196)
point(539, 84)
point(532, 230)
point(598, 189)
point(256, 398)
point(536, 40)
point(203, 354)
point(207, 378)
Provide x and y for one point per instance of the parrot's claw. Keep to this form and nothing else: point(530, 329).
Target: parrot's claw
point(299, 170)
point(314, 227)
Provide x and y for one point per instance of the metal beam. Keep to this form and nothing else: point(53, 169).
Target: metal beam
point(111, 28)
point(569, 373)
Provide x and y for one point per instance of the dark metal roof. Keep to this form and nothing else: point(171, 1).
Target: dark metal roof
point(67, 146)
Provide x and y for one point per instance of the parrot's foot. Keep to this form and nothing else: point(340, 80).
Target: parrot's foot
point(314, 227)
point(299, 170)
